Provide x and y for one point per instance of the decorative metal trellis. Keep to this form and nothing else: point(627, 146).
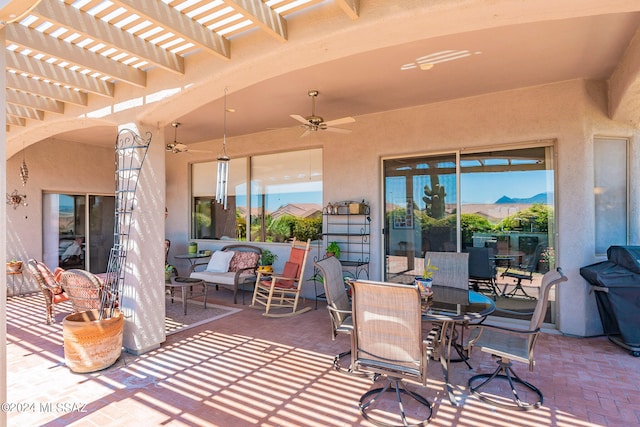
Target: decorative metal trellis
point(130, 152)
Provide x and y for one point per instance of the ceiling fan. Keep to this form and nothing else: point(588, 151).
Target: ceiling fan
point(315, 123)
point(177, 147)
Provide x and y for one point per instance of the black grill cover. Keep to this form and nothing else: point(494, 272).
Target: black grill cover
point(619, 307)
point(625, 256)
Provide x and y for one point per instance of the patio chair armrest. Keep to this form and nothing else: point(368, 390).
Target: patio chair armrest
point(514, 332)
point(513, 312)
point(274, 277)
point(337, 311)
point(240, 271)
point(475, 332)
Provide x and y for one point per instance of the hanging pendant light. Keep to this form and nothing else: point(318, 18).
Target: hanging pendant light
point(223, 163)
point(24, 171)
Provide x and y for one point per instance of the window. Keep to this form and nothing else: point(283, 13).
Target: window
point(285, 198)
point(610, 193)
point(210, 220)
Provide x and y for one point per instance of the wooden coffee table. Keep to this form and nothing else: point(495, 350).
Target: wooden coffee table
point(183, 283)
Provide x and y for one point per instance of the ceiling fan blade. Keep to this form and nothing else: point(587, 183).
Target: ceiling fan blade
point(177, 148)
point(198, 151)
point(338, 122)
point(337, 130)
point(306, 132)
point(299, 118)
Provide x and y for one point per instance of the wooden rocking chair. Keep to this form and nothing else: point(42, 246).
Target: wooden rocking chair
point(282, 290)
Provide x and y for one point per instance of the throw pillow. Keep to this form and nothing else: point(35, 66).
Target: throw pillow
point(242, 260)
point(219, 262)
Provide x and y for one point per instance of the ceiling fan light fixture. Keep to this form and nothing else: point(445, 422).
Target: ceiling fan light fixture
point(173, 147)
point(314, 123)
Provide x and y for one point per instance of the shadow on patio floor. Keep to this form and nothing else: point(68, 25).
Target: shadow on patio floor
point(245, 370)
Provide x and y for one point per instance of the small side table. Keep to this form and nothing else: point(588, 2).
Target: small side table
point(13, 273)
point(183, 283)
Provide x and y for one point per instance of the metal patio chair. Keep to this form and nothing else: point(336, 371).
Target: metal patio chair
point(510, 344)
point(387, 341)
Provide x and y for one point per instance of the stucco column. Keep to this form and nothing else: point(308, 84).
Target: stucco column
point(143, 293)
point(3, 233)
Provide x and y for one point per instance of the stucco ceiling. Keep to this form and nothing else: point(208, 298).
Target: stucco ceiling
point(67, 59)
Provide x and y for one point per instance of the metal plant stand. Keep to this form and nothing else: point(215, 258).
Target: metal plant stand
point(130, 152)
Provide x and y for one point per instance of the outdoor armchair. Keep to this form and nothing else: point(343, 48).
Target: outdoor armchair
point(482, 270)
point(49, 286)
point(523, 272)
point(387, 341)
point(452, 271)
point(510, 344)
point(338, 302)
point(83, 288)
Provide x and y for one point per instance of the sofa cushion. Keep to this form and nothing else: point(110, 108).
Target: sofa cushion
point(241, 260)
point(217, 278)
point(219, 262)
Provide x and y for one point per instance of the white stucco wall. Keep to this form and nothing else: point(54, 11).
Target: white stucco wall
point(54, 166)
point(570, 113)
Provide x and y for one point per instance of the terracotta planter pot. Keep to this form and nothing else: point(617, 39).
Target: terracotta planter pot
point(91, 344)
point(14, 267)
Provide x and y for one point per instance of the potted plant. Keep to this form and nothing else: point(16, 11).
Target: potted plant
point(93, 338)
point(266, 261)
point(168, 271)
point(425, 281)
point(547, 260)
point(333, 249)
point(14, 266)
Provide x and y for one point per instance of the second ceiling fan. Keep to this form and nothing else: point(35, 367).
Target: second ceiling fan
point(315, 123)
point(177, 147)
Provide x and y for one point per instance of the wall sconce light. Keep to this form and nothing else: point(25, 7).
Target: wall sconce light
point(14, 199)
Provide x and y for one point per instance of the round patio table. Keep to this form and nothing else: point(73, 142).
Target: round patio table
point(448, 307)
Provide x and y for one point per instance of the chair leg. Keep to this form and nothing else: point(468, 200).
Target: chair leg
point(513, 292)
point(49, 307)
point(505, 372)
point(339, 365)
point(367, 402)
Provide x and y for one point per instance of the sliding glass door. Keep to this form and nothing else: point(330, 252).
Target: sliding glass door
point(77, 231)
point(420, 200)
point(499, 199)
